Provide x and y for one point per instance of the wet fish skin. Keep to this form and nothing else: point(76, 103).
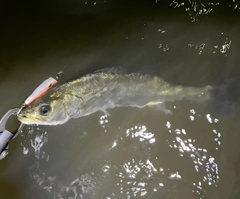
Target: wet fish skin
point(103, 90)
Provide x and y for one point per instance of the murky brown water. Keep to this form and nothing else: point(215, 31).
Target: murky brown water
point(132, 153)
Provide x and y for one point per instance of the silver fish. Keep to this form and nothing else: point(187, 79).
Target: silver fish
point(105, 90)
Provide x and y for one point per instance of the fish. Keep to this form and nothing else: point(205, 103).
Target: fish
point(103, 90)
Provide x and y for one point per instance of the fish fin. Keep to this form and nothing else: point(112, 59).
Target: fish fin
point(105, 112)
point(151, 70)
point(224, 97)
point(112, 70)
point(72, 105)
point(159, 106)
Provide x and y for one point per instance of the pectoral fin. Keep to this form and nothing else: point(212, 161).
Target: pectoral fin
point(159, 106)
point(72, 104)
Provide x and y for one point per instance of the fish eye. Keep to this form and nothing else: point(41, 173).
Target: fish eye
point(45, 109)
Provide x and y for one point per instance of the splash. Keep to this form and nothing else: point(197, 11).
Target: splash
point(75, 189)
point(38, 142)
point(140, 131)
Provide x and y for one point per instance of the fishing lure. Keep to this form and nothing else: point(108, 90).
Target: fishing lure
point(41, 90)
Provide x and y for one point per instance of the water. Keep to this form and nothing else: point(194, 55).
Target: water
point(131, 153)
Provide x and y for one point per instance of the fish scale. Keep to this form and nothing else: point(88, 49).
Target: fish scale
point(104, 90)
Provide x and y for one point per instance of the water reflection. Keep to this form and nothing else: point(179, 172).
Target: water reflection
point(126, 153)
point(203, 162)
point(141, 132)
point(138, 173)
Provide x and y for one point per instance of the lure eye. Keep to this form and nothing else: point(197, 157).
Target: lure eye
point(45, 109)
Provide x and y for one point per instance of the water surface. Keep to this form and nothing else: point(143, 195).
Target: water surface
point(131, 153)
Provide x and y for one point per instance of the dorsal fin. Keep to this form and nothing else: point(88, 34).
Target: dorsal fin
point(113, 70)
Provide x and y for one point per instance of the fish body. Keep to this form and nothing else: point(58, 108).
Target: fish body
point(104, 90)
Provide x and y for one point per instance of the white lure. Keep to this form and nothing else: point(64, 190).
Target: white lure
point(41, 90)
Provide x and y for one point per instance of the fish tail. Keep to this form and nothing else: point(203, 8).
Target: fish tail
point(225, 96)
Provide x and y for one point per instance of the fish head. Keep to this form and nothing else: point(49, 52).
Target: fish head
point(43, 112)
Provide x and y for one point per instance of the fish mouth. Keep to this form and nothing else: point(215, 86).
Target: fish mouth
point(20, 113)
point(24, 119)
